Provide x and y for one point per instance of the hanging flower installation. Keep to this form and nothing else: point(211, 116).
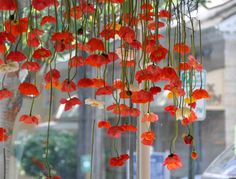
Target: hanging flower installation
point(134, 39)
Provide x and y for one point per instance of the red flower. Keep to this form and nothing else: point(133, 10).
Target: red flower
point(118, 84)
point(192, 62)
point(33, 37)
point(42, 4)
point(95, 44)
point(181, 48)
point(171, 109)
point(16, 27)
point(118, 161)
point(112, 56)
point(85, 83)
point(76, 61)
point(127, 34)
point(155, 90)
point(48, 19)
point(31, 66)
point(173, 162)
point(8, 5)
point(150, 117)
point(96, 60)
point(155, 25)
point(129, 127)
point(68, 86)
point(115, 131)
point(147, 6)
point(164, 13)
point(194, 155)
point(200, 94)
point(136, 44)
point(28, 119)
point(41, 53)
point(148, 138)
point(104, 124)
point(128, 63)
point(28, 89)
point(5, 93)
point(38, 163)
point(70, 103)
point(188, 139)
point(158, 54)
point(142, 96)
point(53, 75)
point(106, 90)
point(16, 56)
point(3, 135)
point(134, 112)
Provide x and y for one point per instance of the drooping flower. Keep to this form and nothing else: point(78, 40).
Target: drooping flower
point(68, 86)
point(106, 90)
point(115, 131)
point(200, 94)
point(95, 44)
point(142, 96)
point(41, 53)
point(188, 139)
point(3, 134)
point(95, 103)
point(43, 4)
point(164, 14)
point(53, 75)
point(85, 83)
point(33, 37)
point(54, 177)
point(5, 93)
point(16, 27)
point(194, 155)
point(192, 62)
point(173, 162)
point(150, 117)
point(28, 89)
point(118, 161)
point(31, 66)
point(16, 56)
point(48, 19)
point(158, 54)
point(104, 124)
point(29, 119)
point(8, 5)
point(129, 128)
point(70, 103)
point(148, 138)
point(76, 61)
point(181, 48)
point(171, 109)
point(155, 90)
point(127, 34)
point(96, 60)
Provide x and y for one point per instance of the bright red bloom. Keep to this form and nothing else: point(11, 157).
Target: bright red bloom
point(136, 44)
point(188, 139)
point(95, 44)
point(200, 94)
point(173, 162)
point(129, 127)
point(68, 86)
point(164, 13)
point(85, 82)
point(171, 109)
point(181, 48)
point(76, 61)
point(33, 35)
point(53, 75)
point(155, 90)
point(158, 54)
point(130, 19)
point(142, 96)
point(104, 124)
point(194, 155)
point(66, 37)
point(147, 6)
point(147, 16)
point(3, 135)
point(8, 5)
point(96, 60)
point(127, 34)
point(155, 25)
point(118, 84)
point(16, 27)
point(16, 56)
point(5, 93)
point(31, 66)
point(70, 103)
point(28, 119)
point(192, 62)
point(150, 117)
point(98, 83)
point(41, 53)
point(42, 4)
point(106, 90)
point(48, 19)
point(118, 161)
point(28, 89)
point(148, 138)
point(134, 112)
point(115, 131)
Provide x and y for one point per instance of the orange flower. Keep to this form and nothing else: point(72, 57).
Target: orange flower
point(5, 93)
point(150, 117)
point(55, 84)
point(28, 89)
point(148, 138)
point(104, 124)
point(181, 48)
point(28, 119)
point(3, 135)
point(115, 131)
point(200, 94)
point(194, 155)
point(173, 162)
point(129, 127)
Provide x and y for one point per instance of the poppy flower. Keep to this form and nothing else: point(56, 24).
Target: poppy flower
point(43, 4)
point(155, 90)
point(66, 37)
point(28, 89)
point(200, 94)
point(96, 60)
point(85, 82)
point(95, 44)
point(112, 56)
point(8, 5)
point(134, 112)
point(194, 155)
point(158, 54)
point(52, 75)
point(69, 103)
point(106, 90)
point(9, 67)
point(16, 27)
point(173, 162)
point(54, 84)
point(130, 19)
point(147, 6)
point(68, 86)
point(98, 83)
point(128, 63)
point(53, 177)
point(118, 84)
point(95, 103)
point(127, 34)
point(148, 138)
point(155, 25)
point(76, 62)
point(3, 134)
point(104, 124)
point(171, 109)
point(5, 93)
point(150, 117)
point(136, 44)
point(16, 56)
point(33, 35)
point(118, 161)
point(28, 119)
point(181, 48)
point(48, 19)
point(6, 36)
point(115, 131)
point(31, 66)
point(188, 139)
point(129, 127)
point(41, 53)
point(164, 14)
point(142, 96)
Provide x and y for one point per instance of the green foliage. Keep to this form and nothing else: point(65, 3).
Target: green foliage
point(62, 153)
